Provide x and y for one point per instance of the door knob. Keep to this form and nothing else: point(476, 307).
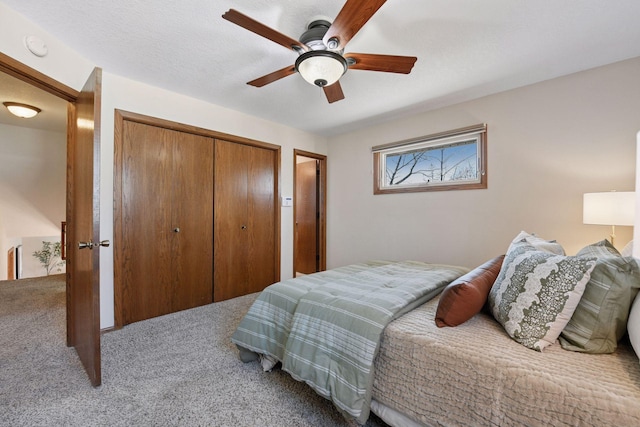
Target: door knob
point(176, 230)
point(244, 227)
point(91, 245)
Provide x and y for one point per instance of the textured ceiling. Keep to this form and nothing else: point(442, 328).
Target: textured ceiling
point(465, 49)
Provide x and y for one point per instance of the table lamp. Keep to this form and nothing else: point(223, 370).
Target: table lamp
point(609, 208)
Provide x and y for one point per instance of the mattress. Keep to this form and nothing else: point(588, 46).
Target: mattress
point(325, 328)
point(475, 375)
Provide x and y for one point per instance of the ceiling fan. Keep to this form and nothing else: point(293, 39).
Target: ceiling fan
point(321, 59)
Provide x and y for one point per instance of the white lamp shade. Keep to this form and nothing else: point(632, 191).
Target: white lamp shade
point(321, 68)
point(609, 208)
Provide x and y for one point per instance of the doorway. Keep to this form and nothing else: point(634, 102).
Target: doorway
point(309, 212)
point(32, 181)
point(82, 189)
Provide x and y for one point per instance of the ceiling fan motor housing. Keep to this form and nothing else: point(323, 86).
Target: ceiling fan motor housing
point(316, 29)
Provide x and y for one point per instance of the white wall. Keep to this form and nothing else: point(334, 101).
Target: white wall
point(66, 66)
point(62, 63)
point(548, 144)
point(32, 185)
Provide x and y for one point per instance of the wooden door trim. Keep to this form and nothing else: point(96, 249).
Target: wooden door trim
point(120, 117)
point(181, 127)
point(36, 78)
point(322, 264)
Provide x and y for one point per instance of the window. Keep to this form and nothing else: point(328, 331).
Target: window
point(453, 160)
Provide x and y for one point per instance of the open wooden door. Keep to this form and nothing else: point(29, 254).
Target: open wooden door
point(309, 213)
point(307, 242)
point(83, 227)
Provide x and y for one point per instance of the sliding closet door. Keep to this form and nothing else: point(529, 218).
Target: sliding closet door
point(192, 214)
point(167, 202)
point(146, 228)
point(261, 218)
point(244, 219)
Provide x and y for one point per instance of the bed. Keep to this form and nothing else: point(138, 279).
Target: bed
point(325, 328)
point(447, 355)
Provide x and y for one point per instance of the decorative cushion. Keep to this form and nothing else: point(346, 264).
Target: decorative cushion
point(633, 326)
point(536, 293)
point(599, 249)
point(628, 249)
point(464, 297)
point(600, 320)
point(539, 243)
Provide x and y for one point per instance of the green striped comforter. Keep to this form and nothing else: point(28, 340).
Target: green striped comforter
point(325, 328)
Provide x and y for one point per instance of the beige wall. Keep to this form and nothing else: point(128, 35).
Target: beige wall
point(548, 144)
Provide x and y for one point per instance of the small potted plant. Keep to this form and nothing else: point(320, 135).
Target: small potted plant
point(50, 256)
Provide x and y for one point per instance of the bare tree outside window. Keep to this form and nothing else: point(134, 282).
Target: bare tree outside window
point(447, 163)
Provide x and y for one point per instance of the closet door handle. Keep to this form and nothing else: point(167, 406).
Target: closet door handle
point(244, 227)
point(176, 230)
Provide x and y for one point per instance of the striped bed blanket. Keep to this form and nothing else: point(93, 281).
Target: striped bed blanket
point(325, 328)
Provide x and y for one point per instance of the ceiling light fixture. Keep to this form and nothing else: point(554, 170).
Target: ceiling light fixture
point(21, 110)
point(321, 67)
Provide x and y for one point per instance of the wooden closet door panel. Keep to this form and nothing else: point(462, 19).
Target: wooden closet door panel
point(261, 218)
point(146, 228)
point(192, 215)
point(230, 216)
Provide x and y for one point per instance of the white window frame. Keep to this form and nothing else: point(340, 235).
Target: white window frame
point(451, 138)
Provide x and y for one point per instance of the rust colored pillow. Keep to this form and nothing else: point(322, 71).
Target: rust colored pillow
point(464, 297)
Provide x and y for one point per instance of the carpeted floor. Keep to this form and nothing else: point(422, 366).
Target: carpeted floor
point(176, 370)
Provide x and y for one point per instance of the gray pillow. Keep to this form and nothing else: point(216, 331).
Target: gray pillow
point(536, 293)
point(599, 249)
point(600, 320)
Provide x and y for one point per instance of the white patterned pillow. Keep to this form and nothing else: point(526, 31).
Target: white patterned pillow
point(537, 292)
point(539, 243)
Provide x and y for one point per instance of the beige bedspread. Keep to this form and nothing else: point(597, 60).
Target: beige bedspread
point(475, 375)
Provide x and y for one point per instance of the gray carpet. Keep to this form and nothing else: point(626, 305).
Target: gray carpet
point(176, 370)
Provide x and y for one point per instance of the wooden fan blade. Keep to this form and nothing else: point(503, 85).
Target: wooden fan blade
point(260, 29)
point(272, 77)
point(333, 92)
point(386, 63)
point(354, 14)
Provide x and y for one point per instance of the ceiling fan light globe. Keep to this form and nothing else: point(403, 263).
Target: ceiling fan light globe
point(321, 68)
